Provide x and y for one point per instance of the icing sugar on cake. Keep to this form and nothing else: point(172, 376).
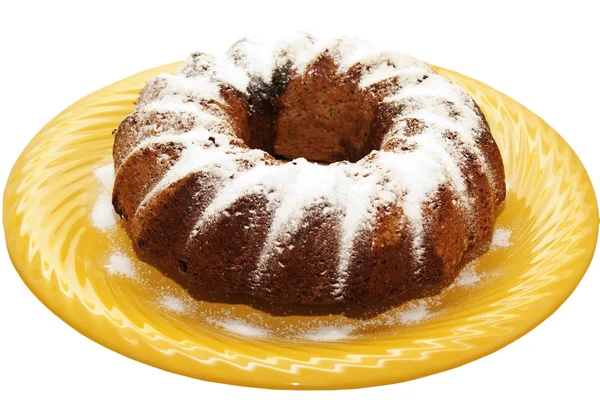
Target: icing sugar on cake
point(105, 176)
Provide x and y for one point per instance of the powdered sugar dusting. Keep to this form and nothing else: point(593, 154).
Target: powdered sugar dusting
point(306, 184)
point(393, 65)
point(359, 212)
point(173, 304)
point(204, 150)
point(418, 184)
point(242, 328)
point(220, 70)
point(105, 176)
point(197, 87)
point(120, 264)
point(443, 106)
point(103, 215)
point(417, 313)
point(468, 276)
point(329, 334)
point(254, 56)
point(348, 51)
point(501, 238)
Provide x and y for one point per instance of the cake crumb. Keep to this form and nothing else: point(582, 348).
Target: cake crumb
point(501, 238)
point(120, 264)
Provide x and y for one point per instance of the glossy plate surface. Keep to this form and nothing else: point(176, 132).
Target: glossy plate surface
point(544, 242)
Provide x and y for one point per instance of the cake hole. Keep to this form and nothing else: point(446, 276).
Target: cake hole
point(182, 265)
point(323, 116)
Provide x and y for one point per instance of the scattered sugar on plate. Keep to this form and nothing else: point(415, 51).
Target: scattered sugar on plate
point(106, 176)
point(242, 328)
point(468, 276)
point(501, 238)
point(120, 264)
point(176, 304)
point(417, 313)
point(103, 214)
point(173, 304)
point(329, 333)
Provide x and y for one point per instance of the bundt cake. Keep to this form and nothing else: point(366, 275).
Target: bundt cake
point(307, 172)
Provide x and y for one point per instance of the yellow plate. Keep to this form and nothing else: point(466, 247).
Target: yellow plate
point(544, 242)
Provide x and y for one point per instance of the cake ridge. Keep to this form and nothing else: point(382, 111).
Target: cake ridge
point(203, 150)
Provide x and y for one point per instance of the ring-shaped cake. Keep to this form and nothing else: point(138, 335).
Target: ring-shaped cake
point(307, 172)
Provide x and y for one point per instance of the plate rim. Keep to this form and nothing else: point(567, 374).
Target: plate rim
point(461, 359)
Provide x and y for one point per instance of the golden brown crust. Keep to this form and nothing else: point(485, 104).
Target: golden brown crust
point(230, 247)
point(140, 173)
point(161, 229)
point(491, 152)
point(447, 239)
point(129, 134)
point(316, 246)
point(383, 259)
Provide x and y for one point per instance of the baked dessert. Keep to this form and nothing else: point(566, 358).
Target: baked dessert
point(307, 172)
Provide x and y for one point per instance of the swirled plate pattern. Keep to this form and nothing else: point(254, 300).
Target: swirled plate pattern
point(546, 235)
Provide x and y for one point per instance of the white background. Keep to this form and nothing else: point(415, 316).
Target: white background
point(545, 56)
